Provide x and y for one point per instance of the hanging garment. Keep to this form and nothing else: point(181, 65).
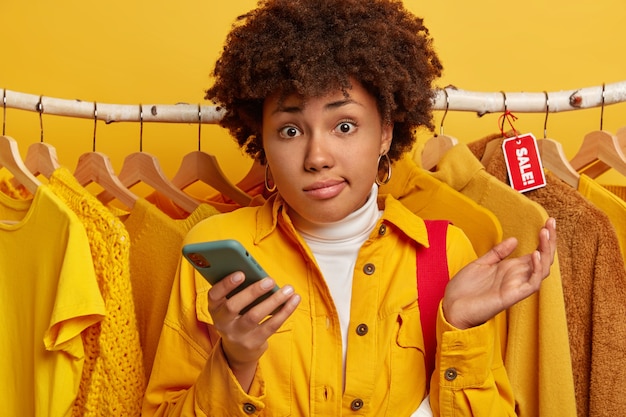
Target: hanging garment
point(49, 296)
point(594, 288)
point(432, 199)
point(537, 351)
point(113, 379)
point(613, 206)
point(155, 245)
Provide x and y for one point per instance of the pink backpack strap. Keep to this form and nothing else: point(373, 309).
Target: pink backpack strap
point(432, 278)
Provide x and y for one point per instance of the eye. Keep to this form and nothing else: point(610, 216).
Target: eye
point(290, 132)
point(346, 127)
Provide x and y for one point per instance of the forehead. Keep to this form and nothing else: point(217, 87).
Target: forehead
point(356, 93)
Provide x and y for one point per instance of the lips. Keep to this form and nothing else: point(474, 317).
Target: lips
point(325, 189)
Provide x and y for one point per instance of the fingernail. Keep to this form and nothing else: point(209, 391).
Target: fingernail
point(553, 221)
point(267, 283)
point(295, 300)
point(237, 277)
point(287, 289)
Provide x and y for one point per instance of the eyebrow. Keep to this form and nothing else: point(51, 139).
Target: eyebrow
point(330, 106)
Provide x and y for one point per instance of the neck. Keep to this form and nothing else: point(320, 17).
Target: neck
point(356, 223)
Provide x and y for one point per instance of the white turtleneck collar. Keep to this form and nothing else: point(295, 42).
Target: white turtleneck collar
point(357, 224)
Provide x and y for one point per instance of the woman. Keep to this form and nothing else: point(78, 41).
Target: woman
point(327, 93)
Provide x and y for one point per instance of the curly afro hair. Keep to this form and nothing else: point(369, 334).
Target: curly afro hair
point(312, 47)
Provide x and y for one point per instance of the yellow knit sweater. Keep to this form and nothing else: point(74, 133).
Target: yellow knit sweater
point(113, 378)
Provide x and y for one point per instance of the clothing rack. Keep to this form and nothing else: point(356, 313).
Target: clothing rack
point(449, 98)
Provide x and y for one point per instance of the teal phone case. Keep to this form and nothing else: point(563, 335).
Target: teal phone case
point(219, 258)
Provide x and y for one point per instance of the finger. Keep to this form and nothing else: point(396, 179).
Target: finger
point(499, 252)
point(255, 293)
point(551, 226)
point(539, 271)
point(271, 303)
point(225, 286)
point(547, 243)
point(272, 324)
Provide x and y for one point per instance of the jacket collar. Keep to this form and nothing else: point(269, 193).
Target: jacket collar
point(273, 214)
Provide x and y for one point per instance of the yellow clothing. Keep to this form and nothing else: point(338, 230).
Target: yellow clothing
point(155, 242)
point(16, 191)
point(48, 296)
point(430, 198)
point(537, 355)
point(113, 379)
point(301, 372)
point(613, 206)
point(594, 286)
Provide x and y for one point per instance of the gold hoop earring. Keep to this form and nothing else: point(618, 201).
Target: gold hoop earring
point(388, 176)
point(266, 180)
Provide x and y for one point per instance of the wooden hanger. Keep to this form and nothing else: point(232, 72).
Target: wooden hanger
point(144, 167)
point(253, 178)
point(435, 148)
point(11, 160)
point(41, 158)
point(599, 152)
point(437, 145)
point(201, 166)
point(96, 167)
point(553, 157)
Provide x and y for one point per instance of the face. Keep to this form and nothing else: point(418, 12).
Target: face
point(323, 151)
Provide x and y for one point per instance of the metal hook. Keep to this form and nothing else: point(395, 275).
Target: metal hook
point(95, 125)
point(505, 110)
point(445, 112)
point(199, 127)
point(4, 110)
point(545, 122)
point(140, 128)
point(40, 110)
point(602, 108)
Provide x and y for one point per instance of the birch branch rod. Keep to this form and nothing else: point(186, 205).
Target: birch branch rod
point(452, 98)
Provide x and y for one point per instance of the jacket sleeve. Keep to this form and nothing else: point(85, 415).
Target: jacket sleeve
point(191, 376)
point(469, 376)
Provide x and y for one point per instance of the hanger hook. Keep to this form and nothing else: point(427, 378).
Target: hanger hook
point(602, 108)
point(4, 110)
point(199, 127)
point(40, 110)
point(545, 121)
point(140, 128)
point(445, 91)
point(505, 109)
point(95, 125)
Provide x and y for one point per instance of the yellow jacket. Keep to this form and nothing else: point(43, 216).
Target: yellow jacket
point(301, 372)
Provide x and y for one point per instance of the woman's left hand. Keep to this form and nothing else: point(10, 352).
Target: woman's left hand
point(491, 284)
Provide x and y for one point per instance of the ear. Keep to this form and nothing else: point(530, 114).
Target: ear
point(386, 137)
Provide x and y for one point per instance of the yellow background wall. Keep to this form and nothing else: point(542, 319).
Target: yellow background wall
point(163, 52)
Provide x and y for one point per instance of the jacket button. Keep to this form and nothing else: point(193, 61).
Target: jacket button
point(369, 269)
point(450, 374)
point(382, 229)
point(362, 329)
point(249, 408)
point(356, 404)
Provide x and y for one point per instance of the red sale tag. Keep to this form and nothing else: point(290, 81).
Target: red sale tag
point(523, 163)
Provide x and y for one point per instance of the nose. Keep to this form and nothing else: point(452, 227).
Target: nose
point(319, 154)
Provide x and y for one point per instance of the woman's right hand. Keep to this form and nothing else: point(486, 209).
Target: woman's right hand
point(244, 337)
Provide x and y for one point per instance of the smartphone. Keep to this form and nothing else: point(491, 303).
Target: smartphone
point(219, 258)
